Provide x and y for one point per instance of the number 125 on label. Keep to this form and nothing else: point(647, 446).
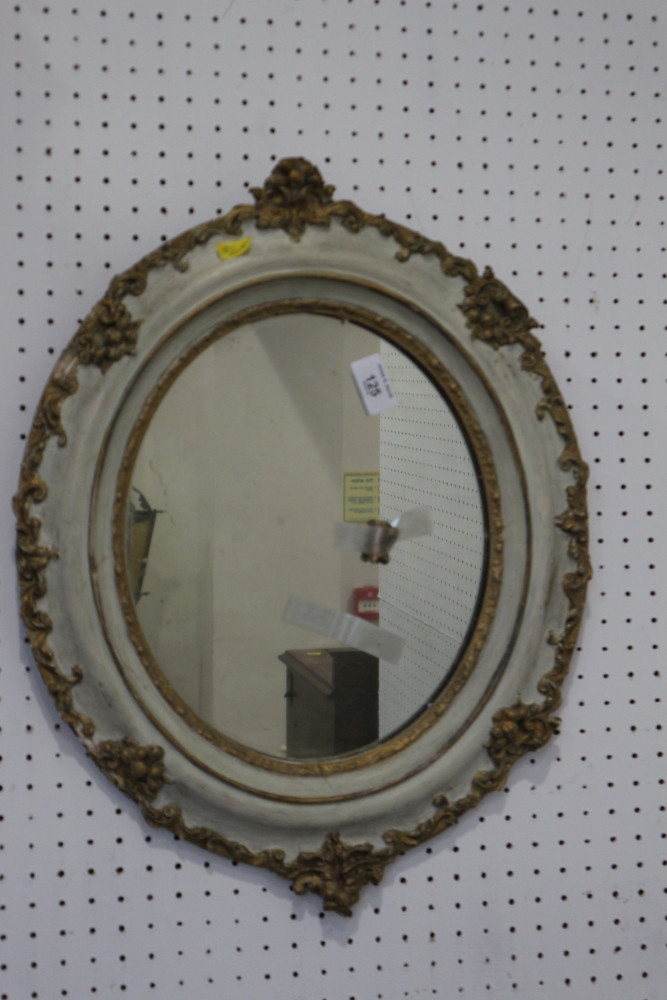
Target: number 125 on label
point(373, 384)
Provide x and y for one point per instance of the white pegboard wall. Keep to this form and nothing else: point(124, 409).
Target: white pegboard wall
point(527, 137)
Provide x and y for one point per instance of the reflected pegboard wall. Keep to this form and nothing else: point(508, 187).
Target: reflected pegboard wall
point(429, 589)
point(527, 137)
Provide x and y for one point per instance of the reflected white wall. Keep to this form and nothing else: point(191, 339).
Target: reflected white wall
point(246, 455)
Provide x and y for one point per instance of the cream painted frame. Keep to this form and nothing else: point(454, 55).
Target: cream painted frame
point(331, 843)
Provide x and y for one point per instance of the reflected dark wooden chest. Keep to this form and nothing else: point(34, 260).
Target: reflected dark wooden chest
point(332, 701)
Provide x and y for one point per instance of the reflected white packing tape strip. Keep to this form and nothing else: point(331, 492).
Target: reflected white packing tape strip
point(413, 524)
point(340, 626)
point(366, 538)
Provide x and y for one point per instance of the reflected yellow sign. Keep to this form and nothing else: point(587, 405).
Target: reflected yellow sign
point(361, 496)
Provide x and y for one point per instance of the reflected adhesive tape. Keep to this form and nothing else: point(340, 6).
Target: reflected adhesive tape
point(234, 249)
point(359, 537)
point(341, 627)
point(413, 524)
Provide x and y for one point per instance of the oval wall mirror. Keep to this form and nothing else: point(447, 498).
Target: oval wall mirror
point(239, 474)
point(302, 536)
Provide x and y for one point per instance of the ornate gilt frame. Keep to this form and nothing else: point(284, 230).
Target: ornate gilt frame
point(497, 343)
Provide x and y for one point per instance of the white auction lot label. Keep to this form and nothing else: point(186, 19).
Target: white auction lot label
point(373, 384)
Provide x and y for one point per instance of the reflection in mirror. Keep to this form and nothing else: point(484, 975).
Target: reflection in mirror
point(280, 628)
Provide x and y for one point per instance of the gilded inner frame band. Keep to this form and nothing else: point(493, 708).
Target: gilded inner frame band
point(477, 632)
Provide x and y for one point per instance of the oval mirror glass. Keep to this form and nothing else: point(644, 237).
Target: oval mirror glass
point(272, 610)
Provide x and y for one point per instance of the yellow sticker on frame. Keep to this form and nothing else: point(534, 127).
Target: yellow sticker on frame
point(361, 496)
point(234, 249)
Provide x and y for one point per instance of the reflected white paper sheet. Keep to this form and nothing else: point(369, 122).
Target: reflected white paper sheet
point(342, 627)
